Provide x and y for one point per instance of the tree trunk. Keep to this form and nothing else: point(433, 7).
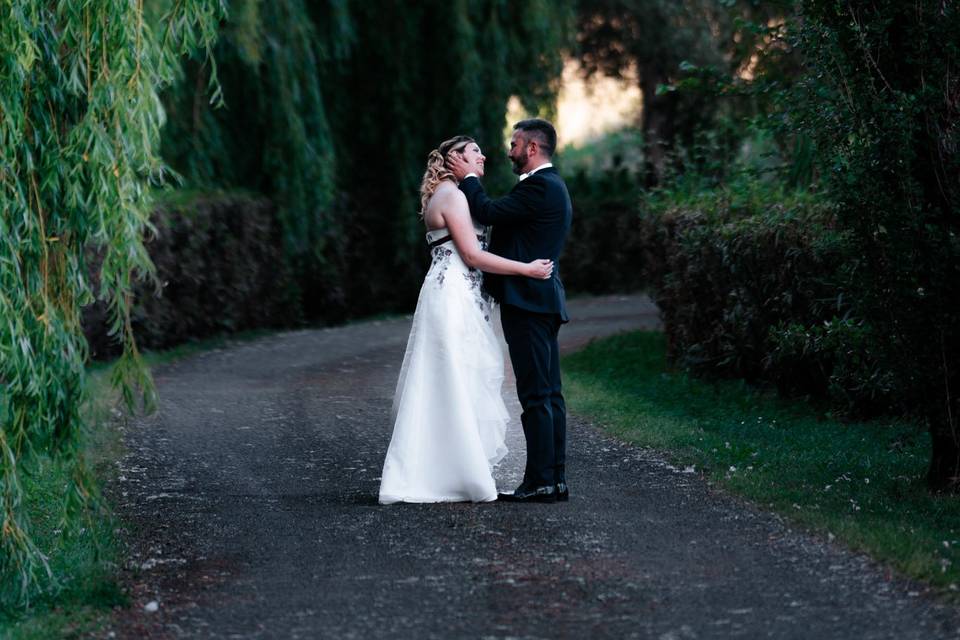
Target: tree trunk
point(944, 471)
point(657, 123)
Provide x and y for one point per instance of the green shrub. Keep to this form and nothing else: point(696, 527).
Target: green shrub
point(727, 269)
point(220, 268)
point(881, 101)
point(749, 280)
point(604, 251)
point(839, 359)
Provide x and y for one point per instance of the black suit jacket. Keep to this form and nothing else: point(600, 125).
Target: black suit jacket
point(530, 222)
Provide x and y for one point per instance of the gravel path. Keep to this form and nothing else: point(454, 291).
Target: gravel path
point(251, 504)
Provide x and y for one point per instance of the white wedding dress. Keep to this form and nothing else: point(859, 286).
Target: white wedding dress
point(449, 419)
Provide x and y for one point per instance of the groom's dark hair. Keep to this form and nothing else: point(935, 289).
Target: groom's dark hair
point(541, 131)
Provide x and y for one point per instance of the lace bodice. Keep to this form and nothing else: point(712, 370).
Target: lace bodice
point(447, 260)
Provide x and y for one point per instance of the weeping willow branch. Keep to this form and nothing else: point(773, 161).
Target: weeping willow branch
point(72, 181)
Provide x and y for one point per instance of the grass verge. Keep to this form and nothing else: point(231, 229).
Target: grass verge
point(858, 482)
point(83, 550)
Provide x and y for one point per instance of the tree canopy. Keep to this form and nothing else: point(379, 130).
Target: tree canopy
point(663, 42)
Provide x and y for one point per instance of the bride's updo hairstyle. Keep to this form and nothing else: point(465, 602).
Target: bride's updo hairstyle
point(436, 171)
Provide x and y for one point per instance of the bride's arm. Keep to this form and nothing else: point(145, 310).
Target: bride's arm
point(456, 214)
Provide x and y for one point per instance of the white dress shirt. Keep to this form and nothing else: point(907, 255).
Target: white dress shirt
point(523, 176)
point(526, 175)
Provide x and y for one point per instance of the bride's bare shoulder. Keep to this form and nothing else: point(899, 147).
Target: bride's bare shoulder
point(447, 195)
point(446, 188)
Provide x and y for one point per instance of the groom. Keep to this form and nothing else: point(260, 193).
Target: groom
point(532, 221)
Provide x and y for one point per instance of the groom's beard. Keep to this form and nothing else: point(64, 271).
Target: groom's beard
point(519, 163)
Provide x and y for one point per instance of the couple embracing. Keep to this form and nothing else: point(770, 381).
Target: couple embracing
point(449, 417)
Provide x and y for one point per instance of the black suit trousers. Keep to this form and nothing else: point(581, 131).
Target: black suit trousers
point(535, 353)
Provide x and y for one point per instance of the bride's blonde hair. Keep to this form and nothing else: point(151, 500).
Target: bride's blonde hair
point(436, 171)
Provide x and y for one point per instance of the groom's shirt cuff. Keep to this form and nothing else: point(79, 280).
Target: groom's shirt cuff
point(469, 175)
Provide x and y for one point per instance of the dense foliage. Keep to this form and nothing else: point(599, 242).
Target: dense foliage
point(274, 136)
point(871, 323)
point(78, 150)
point(218, 258)
point(332, 110)
point(605, 251)
point(667, 45)
point(882, 100)
point(729, 268)
point(748, 280)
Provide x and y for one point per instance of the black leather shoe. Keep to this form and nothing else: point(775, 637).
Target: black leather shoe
point(563, 493)
point(530, 494)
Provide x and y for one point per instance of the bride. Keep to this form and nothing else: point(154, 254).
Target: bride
point(449, 417)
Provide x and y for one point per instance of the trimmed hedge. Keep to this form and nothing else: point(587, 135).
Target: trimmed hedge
point(728, 276)
point(220, 268)
point(604, 251)
point(748, 285)
point(746, 288)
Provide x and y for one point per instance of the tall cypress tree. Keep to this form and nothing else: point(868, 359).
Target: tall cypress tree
point(274, 136)
point(434, 69)
point(387, 81)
